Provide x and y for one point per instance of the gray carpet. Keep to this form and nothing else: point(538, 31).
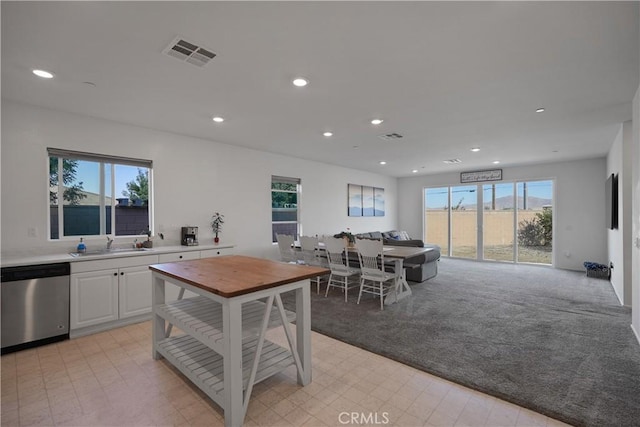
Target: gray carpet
point(549, 340)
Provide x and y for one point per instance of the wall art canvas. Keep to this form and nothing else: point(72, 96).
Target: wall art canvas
point(378, 202)
point(355, 200)
point(367, 201)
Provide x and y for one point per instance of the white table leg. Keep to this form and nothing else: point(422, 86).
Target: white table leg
point(158, 323)
point(303, 332)
point(402, 286)
point(232, 331)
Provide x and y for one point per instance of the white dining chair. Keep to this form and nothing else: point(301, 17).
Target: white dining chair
point(309, 249)
point(374, 277)
point(287, 251)
point(341, 271)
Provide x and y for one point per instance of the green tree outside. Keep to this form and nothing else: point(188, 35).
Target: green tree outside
point(72, 190)
point(138, 189)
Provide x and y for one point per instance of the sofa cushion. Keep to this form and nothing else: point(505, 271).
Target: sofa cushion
point(414, 243)
point(403, 235)
point(375, 235)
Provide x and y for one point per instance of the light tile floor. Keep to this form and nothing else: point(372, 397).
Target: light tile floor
point(110, 379)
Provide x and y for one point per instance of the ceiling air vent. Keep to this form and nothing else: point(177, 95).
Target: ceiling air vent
point(189, 52)
point(452, 161)
point(390, 136)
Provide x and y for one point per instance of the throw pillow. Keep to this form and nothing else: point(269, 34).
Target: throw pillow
point(404, 235)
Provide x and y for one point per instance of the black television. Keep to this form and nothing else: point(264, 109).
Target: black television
point(611, 192)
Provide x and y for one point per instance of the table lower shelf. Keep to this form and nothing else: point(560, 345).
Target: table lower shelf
point(202, 318)
point(204, 367)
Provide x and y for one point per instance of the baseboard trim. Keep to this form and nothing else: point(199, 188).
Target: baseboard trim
point(76, 333)
point(636, 333)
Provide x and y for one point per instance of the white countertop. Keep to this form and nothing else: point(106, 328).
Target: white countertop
point(12, 261)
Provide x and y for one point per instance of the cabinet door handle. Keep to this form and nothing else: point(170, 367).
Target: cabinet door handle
point(122, 273)
point(180, 256)
point(115, 274)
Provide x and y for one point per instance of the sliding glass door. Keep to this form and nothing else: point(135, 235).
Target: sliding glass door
point(535, 221)
point(497, 222)
point(464, 221)
point(514, 224)
point(436, 218)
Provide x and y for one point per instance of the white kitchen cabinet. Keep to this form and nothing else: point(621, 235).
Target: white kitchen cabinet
point(116, 291)
point(94, 298)
point(134, 291)
point(103, 292)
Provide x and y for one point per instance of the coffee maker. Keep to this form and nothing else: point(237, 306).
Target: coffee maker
point(189, 236)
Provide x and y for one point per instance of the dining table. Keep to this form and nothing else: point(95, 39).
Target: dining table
point(398, 255)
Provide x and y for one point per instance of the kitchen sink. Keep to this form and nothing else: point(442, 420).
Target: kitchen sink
point(106, 251)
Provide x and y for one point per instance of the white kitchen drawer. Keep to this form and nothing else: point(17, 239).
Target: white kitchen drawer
point(208, 253)
point(106, 264)
point(178, 256)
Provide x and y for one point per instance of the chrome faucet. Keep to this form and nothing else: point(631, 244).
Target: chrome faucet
point(109, 243)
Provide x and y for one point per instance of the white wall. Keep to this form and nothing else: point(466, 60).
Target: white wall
point(619, 240)
point(579, 211)
point(192, 179)
point(635, 247)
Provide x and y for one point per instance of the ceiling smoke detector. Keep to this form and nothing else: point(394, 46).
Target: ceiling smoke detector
point(390, 136)
point(452, 161)
point(189, 52)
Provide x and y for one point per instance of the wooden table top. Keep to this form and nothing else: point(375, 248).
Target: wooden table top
point(233, 275)
point(403, 252)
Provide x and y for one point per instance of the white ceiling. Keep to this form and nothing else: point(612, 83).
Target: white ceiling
point(448, 76)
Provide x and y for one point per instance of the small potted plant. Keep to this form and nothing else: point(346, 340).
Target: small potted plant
point(148, 243)
point(348, 236)
point(216, 225)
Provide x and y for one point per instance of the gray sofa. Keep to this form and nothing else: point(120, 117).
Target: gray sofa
point(419, 268)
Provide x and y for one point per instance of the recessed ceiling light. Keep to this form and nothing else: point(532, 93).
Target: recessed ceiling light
point(328, 134)
point(495, 162)
point(414, 171)
point(383, 162)
point(540, 110)
point(376, 121)
point(218, 119)
point(44, 74)
point(475, 149)
point(300, 82)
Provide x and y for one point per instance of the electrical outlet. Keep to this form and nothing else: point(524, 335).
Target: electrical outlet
point(32, 232)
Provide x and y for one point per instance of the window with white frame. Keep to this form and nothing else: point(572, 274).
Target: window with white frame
point(285, 208)
point(94, 194)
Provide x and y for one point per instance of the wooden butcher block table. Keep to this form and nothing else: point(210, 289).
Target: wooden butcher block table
point(223, 349)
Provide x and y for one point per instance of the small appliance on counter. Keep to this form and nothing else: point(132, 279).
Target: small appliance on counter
point(189, 236)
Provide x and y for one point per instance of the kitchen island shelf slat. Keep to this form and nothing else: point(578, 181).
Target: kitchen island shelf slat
point(202, 318)
point(204, 366)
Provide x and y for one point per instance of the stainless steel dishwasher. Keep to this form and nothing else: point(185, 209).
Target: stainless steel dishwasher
point(35, 305)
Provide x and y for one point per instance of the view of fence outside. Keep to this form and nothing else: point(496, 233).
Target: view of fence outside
point(498, 237)
point(84, 220)
point(284, 221)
